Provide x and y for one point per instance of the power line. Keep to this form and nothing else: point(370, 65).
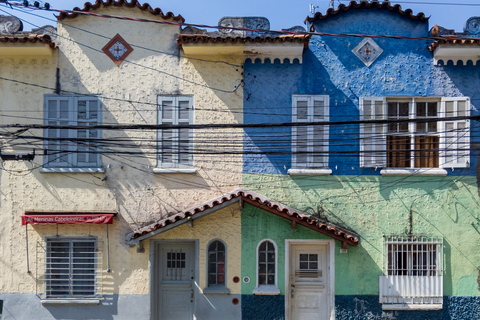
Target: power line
point(131, 44)
point(248, 29)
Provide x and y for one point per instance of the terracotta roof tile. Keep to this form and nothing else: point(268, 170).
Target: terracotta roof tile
point(367, 5)
point(459, 42)
point(29, 38)
point(119, 3)
point(202, 39)
point(335, 231)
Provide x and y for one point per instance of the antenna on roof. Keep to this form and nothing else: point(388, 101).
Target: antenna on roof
point(313, 8)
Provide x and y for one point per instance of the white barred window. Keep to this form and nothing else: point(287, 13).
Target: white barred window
point(413, 272)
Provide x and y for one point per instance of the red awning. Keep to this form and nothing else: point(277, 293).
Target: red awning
point(54, 218)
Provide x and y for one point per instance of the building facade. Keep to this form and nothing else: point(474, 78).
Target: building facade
point(156, 171)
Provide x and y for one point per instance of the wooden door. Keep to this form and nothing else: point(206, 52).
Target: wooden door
point(308, 285)
point(173, 294)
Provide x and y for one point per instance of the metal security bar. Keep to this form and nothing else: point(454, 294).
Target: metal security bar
point(69, 268)
point(413, 270)
point(413, 255)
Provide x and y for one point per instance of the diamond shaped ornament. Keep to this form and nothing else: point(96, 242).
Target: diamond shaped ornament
point(117, 49)
point(368, 51)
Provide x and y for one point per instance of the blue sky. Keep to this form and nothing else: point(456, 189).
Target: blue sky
point(281, 13)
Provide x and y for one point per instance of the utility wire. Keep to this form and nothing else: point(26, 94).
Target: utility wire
point(245, 29)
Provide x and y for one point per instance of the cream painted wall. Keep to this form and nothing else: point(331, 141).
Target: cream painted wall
point(225, 225)
point(128, 185)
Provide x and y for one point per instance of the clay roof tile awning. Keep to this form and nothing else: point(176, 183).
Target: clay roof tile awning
point(204, 39)
point(385, 5)
point(88, 7)
point(243, 195)
point(31, 38)
point(457, 42)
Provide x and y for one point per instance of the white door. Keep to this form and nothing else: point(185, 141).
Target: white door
point(308, 287)
point(173, 295)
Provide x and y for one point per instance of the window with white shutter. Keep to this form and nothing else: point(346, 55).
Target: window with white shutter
point(72, 147)
point(310, 142)
point(410, 143)
point(175, 146)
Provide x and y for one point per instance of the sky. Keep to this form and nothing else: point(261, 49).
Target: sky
point(281, 13)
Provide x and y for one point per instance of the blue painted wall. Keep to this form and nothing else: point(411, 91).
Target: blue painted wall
point(405, 68)
point(363, 307)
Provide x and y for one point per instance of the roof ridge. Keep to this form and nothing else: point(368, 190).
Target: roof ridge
point(329, 228)
point(119, 3)
point(363, 4)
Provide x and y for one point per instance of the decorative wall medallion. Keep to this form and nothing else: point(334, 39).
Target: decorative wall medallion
point(368, 51)
point(473, 25)
point(117, 49)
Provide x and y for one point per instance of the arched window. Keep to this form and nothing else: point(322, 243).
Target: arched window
point(216, 263)
point(266, 268)
point(266, 263)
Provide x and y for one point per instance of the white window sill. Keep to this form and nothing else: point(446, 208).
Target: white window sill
point(70, 301)
point(174, 170)
point(407, 306)
point(72, 170)
point(266, 290)
point(310, 172)
point(416, 172)
point(216, 290)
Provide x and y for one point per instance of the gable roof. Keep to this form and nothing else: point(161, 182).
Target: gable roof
point(120, 3)
point(353, 5)
point(246, 196)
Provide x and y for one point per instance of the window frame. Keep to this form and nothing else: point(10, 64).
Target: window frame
point(373, 141)
point(266, 289)
point(96, 265)
point(406, 266)
point(216, 288)
point(70, 161)
point(311, 164)
point(175, 120)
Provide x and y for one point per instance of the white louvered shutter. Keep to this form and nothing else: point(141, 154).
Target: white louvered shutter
point(455, 135)
point(373, 135)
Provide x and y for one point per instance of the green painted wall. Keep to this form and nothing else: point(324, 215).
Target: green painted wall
point(371, 206)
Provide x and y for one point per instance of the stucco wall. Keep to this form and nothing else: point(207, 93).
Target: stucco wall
point(373, 206)
point(129, 94)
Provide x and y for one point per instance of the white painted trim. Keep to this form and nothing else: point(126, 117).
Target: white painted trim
point(331, 272)
point(266, 289)
point(309, 172)
point(49, 302)
point(416, 172)
point(71, 170)
point(406, 306)
point(175, 170)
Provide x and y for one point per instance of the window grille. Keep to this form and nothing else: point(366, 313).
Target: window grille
point(216, 263)
point(69, 268)
point(413, 270)
point(413, 255)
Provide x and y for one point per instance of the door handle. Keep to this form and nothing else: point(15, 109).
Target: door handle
point(292, 291)
point(191, 295)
